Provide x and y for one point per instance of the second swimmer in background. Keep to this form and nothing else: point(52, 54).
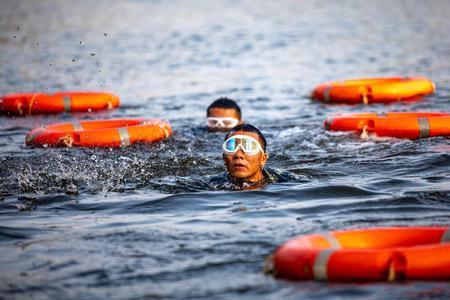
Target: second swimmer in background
point(222, 115)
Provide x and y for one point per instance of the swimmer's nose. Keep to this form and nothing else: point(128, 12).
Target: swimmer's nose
point(239, 154)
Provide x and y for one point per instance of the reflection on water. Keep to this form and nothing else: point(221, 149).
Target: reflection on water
point(144, 222)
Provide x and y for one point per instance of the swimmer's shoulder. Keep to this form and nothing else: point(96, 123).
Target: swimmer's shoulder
point(274, 175)
point(219, 178)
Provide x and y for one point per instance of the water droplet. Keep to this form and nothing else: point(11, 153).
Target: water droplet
point(14, 36)
point(92, 54)
point(81, 42)
point(51, 64)
point(73, 59)
point(71, 189)
point(89, 110)
point(105, 34)
point(18, 27)
point(93, 157)
point(45, 145)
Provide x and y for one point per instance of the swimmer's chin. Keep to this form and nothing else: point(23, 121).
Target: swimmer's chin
point(239, 174)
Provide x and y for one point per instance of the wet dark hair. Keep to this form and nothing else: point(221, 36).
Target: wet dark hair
point(248, 128)
point(227, 104)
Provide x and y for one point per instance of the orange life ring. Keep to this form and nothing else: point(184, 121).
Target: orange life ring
point(99, 133)
point(374, 90)
point(39, 103)
point(390, 253)
point(411, 125)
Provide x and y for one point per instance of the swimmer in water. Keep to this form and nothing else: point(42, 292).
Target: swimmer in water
point(245, 157)
point(222, 115)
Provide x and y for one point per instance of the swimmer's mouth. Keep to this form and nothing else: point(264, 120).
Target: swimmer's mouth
point(239, 166)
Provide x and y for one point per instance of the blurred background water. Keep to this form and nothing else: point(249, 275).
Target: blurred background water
point(143, 222)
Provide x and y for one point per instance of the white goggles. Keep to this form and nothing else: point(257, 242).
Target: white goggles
point(226, 122)
point(249, 145)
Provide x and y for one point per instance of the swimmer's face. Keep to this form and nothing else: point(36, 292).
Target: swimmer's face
point(222, 119)
point(243, 166)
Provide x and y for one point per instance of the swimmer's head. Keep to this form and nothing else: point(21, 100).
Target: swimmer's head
point(222, 115)
point(245, 153)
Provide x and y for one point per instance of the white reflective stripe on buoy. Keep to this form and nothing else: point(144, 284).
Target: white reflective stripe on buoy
point(124, 137)
point(67, 102)
point(433, 86)
point(424, 127)
point(446, 236)
point(332, 240)
point(326, 93)
point(30, 137)
point(77, 126)
point(320, 268)
point(166, 133)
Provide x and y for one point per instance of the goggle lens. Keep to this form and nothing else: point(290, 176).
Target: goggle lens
point(230, 145)
point(248, 145)
point(229, 123)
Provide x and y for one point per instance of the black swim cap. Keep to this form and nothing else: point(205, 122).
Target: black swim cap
point(227, 104)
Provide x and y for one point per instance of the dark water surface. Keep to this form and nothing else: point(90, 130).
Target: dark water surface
point(143, 222)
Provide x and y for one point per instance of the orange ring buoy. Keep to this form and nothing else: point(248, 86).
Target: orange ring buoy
point(411, 125)
point(390, 253)
point(99, 133)
point(373, 90)
point(39, 103)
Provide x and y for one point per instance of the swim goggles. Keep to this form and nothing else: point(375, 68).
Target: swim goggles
point(249, 145)
point(226, 122)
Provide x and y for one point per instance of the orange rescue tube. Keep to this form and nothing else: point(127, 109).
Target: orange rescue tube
point(411, 125)
point(39, 103)
point(380, 254)
point(99, 133)
point(373, 90)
